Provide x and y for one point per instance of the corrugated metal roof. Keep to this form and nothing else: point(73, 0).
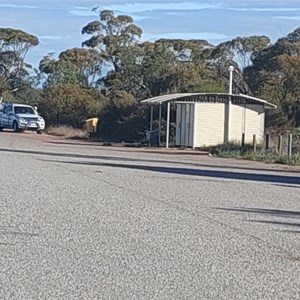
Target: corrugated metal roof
point(166, 98)
point(258, 100)
point(185, 98)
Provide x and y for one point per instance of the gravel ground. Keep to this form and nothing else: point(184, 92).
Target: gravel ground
point(81, 221)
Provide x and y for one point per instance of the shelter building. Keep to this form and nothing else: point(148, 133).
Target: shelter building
point(208, 119)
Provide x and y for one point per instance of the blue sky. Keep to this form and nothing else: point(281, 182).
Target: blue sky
point(58, 24)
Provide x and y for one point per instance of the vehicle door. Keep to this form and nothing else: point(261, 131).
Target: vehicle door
point(1, 113)
point(6, 116)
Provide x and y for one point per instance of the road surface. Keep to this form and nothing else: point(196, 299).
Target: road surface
point(83, 221)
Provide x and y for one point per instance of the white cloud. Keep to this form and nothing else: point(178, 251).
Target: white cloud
point(82, 13)
point(296, 18)
point(265, 9)
point(51, 37)
point(209, 36)
point(132, 8)
point(80, 7)
point(186, 5)
point(18, 6)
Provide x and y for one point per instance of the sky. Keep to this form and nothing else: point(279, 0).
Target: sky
point(58, 23)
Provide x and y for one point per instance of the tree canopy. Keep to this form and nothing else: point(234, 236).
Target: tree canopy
point(113, 70)
point(14, 45)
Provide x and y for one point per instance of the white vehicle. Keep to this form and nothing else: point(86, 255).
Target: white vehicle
point(20, 117)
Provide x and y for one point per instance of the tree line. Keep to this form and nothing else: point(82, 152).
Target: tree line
point(112, 71)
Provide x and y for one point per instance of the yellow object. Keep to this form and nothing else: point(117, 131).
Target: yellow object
point(91, 124)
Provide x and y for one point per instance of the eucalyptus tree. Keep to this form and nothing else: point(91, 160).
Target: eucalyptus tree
point(75, 66)
point(238, 53)
point(275, 75)
point(70, 95)
point(157, 69)
point(178, 66)
point(197, 51)
point(116, 37)
point(14, 45)
point(266, 63)
point(110, 35)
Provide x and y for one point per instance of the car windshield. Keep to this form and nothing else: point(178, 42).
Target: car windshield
point(24, 110)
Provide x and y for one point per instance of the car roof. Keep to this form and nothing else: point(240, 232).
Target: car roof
point(23, 105)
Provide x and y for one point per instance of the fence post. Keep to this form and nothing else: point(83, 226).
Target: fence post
point(279, 149)
point(254, 143)
point(243, 142)
point(267, 142)
point(290, 145)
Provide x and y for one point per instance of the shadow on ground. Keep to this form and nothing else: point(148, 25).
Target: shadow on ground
point(209, 164)
point(285, 214)
point(292, 180)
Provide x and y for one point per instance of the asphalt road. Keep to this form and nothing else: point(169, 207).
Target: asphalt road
point(82, 221)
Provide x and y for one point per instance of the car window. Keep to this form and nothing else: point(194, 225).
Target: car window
point(7, 109)
point(24, 110)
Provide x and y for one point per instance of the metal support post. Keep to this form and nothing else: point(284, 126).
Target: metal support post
point(168, 124)
point(159, 124)
point(151, 118)
point(254, 143)
point(151, 125)
point(290, 146)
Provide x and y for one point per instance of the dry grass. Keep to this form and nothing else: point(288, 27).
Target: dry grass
point(67, 132)
point(232, 150)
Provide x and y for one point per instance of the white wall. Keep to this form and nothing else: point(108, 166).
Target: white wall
point(209, 124)
point(249, 119)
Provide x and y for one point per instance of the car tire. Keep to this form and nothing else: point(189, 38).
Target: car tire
point(1, 128)
point(15, 127)
point(39, 132)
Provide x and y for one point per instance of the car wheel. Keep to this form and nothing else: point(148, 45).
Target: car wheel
point(1, 128)
point(16, 127)
point(39, 132)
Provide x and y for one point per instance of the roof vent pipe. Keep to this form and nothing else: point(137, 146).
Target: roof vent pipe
point(228, 107)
